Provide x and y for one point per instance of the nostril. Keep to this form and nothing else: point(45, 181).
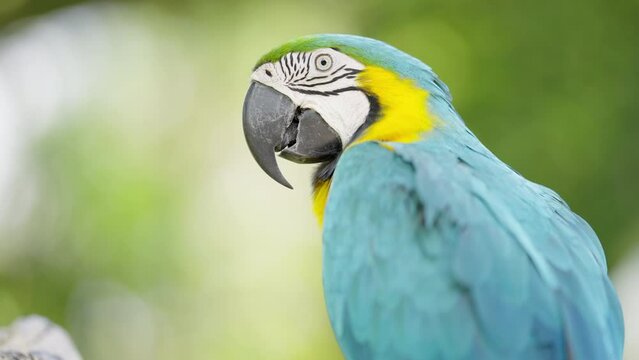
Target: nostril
point(268, 73)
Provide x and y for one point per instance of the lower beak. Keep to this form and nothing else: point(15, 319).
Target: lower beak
point(273, 123)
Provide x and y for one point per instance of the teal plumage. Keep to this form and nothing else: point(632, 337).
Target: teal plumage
point(438, 250)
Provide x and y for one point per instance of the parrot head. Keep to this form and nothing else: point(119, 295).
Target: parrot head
point(311, 98)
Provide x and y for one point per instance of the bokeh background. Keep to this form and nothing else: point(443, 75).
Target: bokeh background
point(132, 213)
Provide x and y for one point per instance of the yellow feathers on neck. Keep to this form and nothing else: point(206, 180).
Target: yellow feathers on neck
point(320, 196)
point(404, 115)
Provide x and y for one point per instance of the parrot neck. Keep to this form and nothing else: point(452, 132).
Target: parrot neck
point(398, 114)
point(402, 116)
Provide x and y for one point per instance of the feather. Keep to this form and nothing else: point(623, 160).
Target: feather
point(438, 250)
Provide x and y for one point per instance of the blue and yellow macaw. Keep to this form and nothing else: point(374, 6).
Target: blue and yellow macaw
point(433, 247)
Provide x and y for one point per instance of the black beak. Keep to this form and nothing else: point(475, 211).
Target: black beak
point(273, 123)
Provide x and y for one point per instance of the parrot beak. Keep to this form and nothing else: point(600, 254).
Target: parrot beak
point(273, 123)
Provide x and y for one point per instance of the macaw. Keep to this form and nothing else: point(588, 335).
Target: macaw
point(433, 248)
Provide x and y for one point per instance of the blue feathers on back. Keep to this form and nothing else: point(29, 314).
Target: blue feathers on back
point(438, 250)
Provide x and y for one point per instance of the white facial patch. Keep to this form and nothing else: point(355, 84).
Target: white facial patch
point(323, 80)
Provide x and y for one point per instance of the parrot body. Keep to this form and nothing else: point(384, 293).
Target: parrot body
point(449, 254)
point(433, 247)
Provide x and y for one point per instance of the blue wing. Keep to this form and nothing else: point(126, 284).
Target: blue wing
point(437, 250)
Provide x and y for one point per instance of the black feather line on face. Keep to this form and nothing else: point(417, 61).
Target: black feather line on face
point(307, 65)
point(289, 71)
point(325, 93)
point(329, 81)
point(340, 68)
point(303, 69)
point(299, 64)
point(317, 77)
point(350, 71)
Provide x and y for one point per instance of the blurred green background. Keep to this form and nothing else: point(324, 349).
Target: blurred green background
point(132, 213)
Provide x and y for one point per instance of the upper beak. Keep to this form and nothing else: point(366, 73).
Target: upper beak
point(273, 123)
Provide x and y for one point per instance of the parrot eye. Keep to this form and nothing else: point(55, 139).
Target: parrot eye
point(323, 62)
